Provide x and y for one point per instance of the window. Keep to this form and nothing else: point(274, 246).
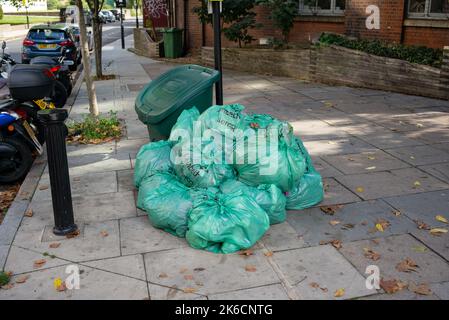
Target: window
point(428, 8)
point(322, 7)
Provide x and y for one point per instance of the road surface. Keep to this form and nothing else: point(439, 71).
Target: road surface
point(111, 33)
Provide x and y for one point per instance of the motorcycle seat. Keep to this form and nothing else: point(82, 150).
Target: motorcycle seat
point(44, 60)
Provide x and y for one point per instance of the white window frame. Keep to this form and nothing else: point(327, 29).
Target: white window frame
point(315, 11)
point(426, 14)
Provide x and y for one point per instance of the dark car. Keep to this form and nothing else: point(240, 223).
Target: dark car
point(116, 13)
point(76, 32)
point(51, 41)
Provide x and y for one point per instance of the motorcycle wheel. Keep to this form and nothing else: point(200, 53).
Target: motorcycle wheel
point(21, 162)
point(59, 96)
point(65, 80)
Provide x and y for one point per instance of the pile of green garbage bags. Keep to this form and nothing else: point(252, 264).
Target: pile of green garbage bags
point(224, 176)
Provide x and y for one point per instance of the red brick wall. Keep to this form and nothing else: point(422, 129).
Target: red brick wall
point(391, 19)
point(308, 31)
point(429, 37)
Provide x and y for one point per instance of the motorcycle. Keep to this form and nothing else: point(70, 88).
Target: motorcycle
point(18, 141)
point(58, 97)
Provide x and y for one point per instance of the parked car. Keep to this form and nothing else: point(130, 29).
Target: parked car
point(116, 14)
point(103, 17)
point(88, 18)
point(76, 32)
point(51, 41)
point(109, 16)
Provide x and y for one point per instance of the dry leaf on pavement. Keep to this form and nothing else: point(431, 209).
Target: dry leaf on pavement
point(371, 254)
point(162, 275)
point(441, 218)
point(360, 189)
point(247, 252)
point(422, 289)
point(250, 268)
point(62, 287)
point(438, 231)
point(22, 279)
point(189, 290)
point(339, 293)
point(314, 285)
point(73, 234)
point(54, 245)
point(43, 187)
point(334, 222)
point(268, 254)
point(331, 210)
point(407, 265)
point(29, 213)
point(335, 243)
point(396, 213)
point(199, 269)
point(422, 225)
point(392, 286)
point(382, 225)
point(104, 233)
point(39, 263)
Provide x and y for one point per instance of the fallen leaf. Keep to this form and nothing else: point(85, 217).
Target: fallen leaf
point(328, 104)
point(438, 231)
point(62, 287)
point(348, 226)
point(407, 265)
point(29, 213)
point(351, 159)
point(371, 254)
point(104, 233)
point(371, 158)
point(382, 225)
point(162, 275)
point(22, 279)
point(39, 263)
point(339, 293)
point(421, 225)
point(392, 286)
point(441, 218)
point(334, 222)
point(43, 187)
point(335, 243)
point(331, 210)
point(247, 252)
point(324, 289)
point(379, 227)
point(314, 285)
point(189, 290)
point(268, 254)
point(419, 249)
point(188, 277)
point(54, 245)
point(370, 168)
point(199, 269)
point(396, 213)
point(416, 184)
point(360, 189)
point(422, 289)
point(250, 268)
point(73, 234)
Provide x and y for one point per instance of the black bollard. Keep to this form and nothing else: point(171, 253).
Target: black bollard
point(55, 134)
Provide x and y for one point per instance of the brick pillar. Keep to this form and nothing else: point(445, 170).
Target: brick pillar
point(444, 75)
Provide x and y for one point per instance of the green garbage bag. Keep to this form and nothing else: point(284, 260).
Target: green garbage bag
point(309, 190)
point(152, 157)
point(184, 125)
point(260, 161)
point(225, 223)
point(200, 165)
point(269, 197)
point(226, 120)
point(167, 202)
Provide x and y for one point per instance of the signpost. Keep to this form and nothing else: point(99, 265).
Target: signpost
point(121, 4)
point(216, 11)
point(136, 5)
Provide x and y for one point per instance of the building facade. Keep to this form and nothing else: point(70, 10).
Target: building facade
point(33, 6)
point(412, 22)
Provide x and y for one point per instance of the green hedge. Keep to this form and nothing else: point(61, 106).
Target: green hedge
point(414, 54)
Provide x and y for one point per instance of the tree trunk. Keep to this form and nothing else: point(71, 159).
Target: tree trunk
point(93, 105)
point(98, 44)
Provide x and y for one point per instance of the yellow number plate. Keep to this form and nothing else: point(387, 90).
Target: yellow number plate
point(41, 103)
point(46, 46)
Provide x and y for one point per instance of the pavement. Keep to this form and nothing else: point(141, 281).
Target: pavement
point(385, 161)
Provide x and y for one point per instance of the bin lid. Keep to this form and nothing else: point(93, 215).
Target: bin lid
point(171, 90)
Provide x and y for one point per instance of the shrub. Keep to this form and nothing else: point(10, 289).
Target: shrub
point(414, 54)
point(95, 129)
point(282, 13)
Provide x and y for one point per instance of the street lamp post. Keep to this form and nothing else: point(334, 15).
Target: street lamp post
point(216, 11)
point(136, 5)
point(121, 4)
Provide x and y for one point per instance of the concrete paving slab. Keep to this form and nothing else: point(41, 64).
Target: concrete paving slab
point(94, 285)
point(441, 290)
point(322, 265)
point(310, 130)
point(351, 222)
point(100, 162)
point(171, 293)
point(131, 266)
point(438, 243)
point(270, 292)
point(388, 140)
point(136, 130)
point(393, 250)
point(364, 162)
point(22, 260)
point(283, 236)
point(100, 241)
point(89, 184)
point(125, 180)
point(324, 168)
point(440, 171)
point(335, 193)
point(139, 236)
point(76, 150)
point(377, 185)
point(131, 146)
point(337, 146)
point(420, 155)
point(401, 295)
point(208, 273)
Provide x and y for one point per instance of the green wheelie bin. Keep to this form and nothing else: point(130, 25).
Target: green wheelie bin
point(172, 42)
point(161, 102)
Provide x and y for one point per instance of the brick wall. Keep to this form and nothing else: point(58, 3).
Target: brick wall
point(429, 37)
